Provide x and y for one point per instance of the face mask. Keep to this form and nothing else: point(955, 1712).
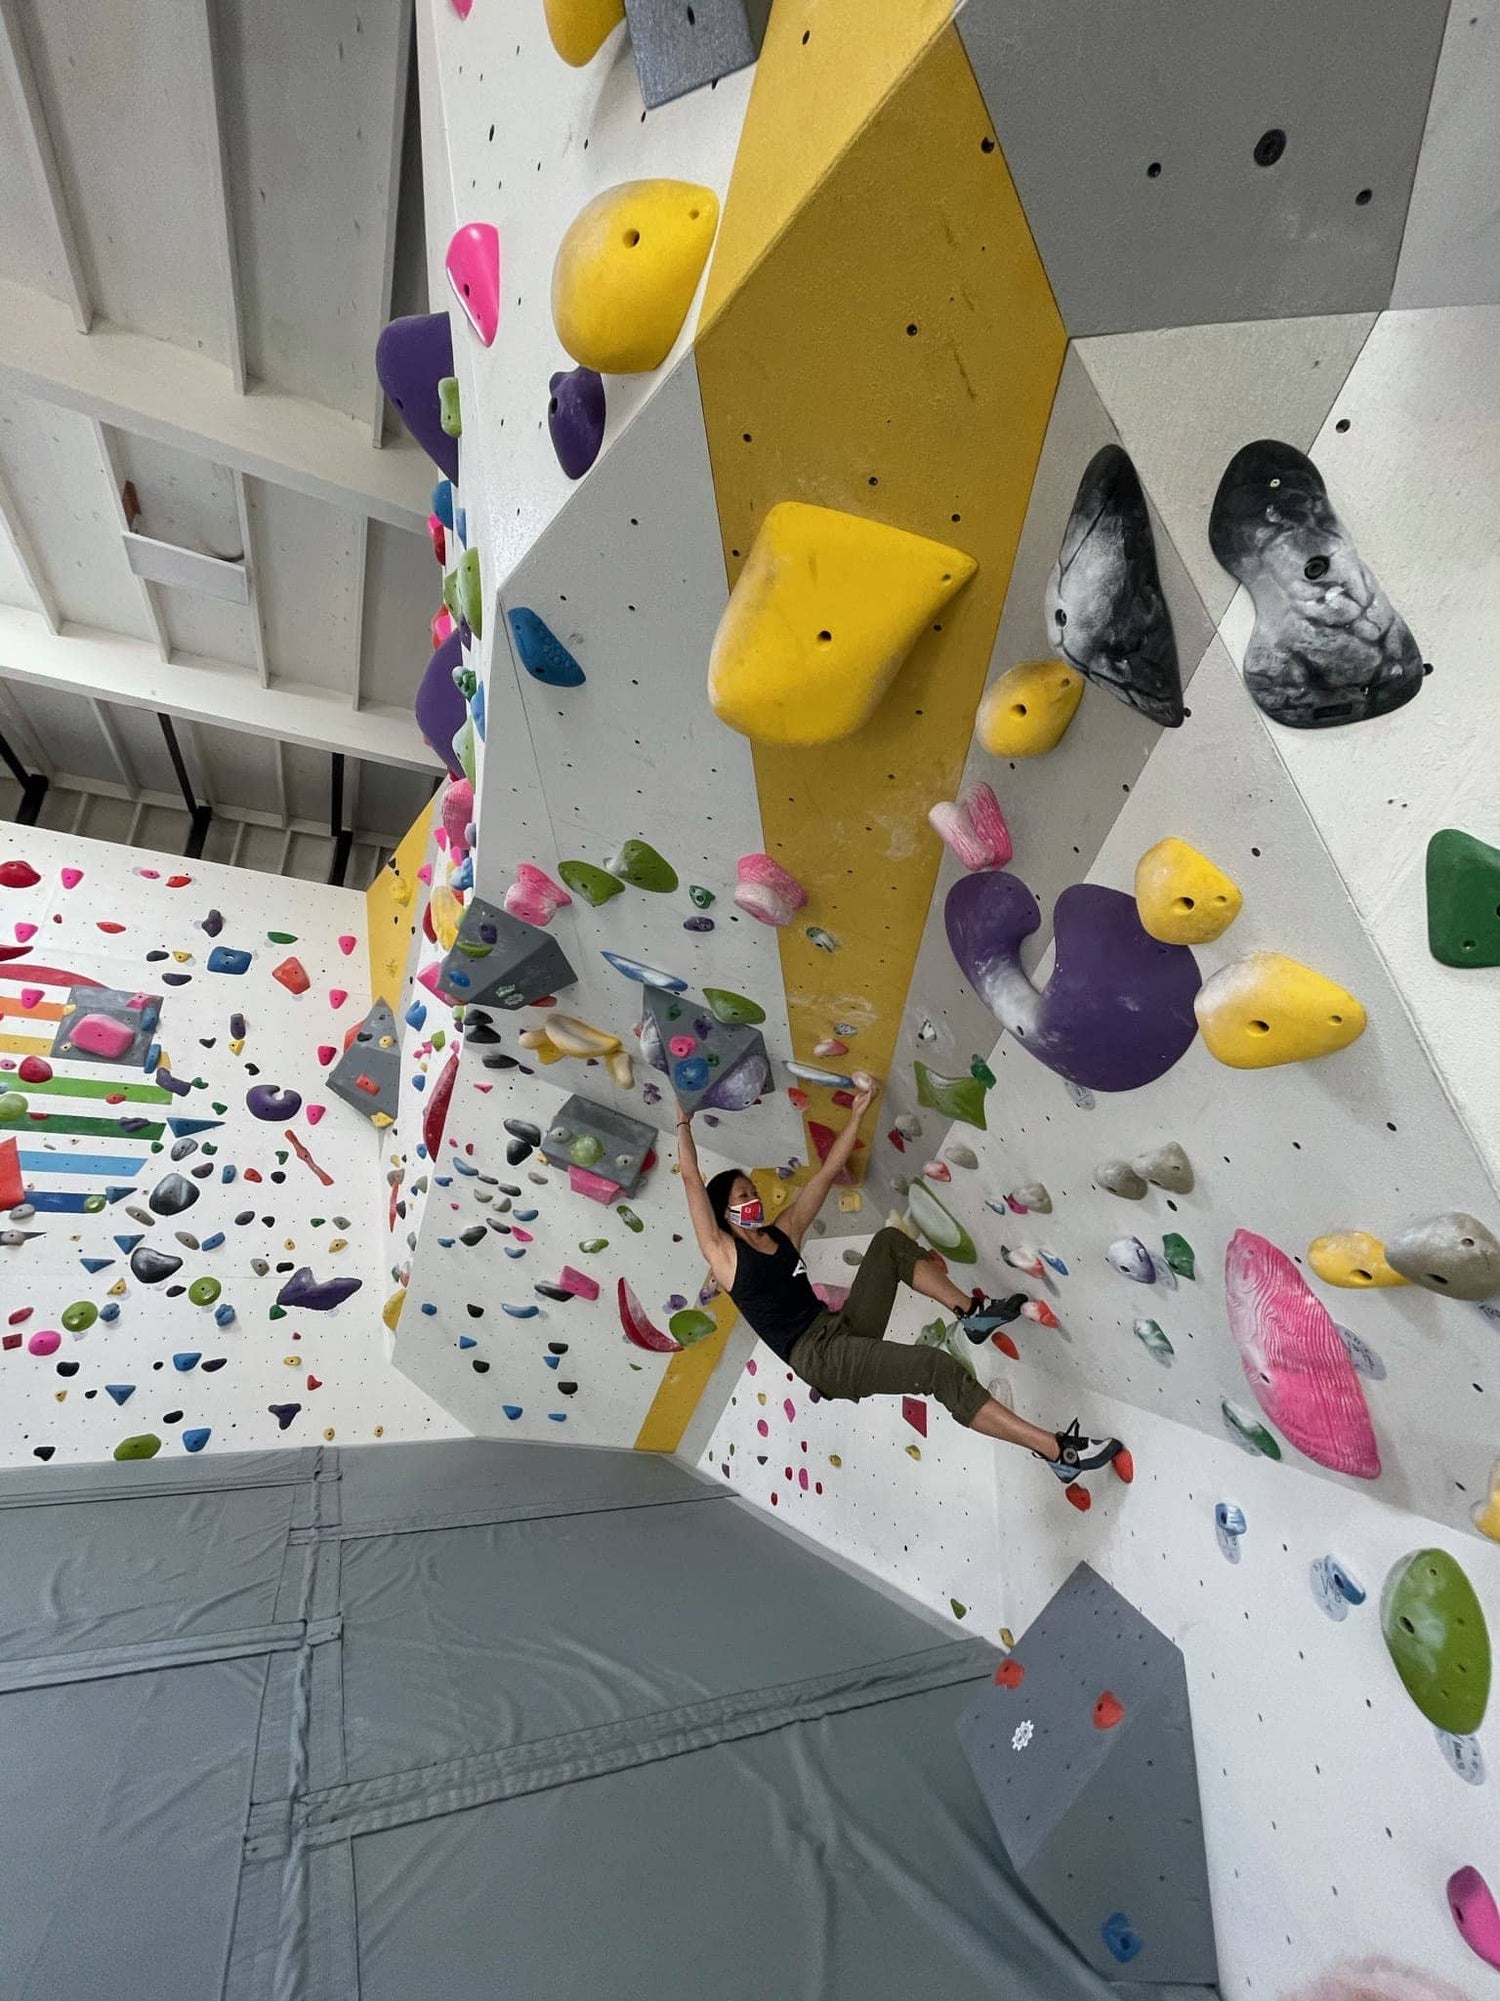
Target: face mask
point(750, 1215)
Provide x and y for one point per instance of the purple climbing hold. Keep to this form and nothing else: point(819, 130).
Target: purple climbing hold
point(412, 356)
point(1117, 1012)
point(575, 417)
point(283, 1412)
point(440, 708)
point(269, 1101)
point(316, 1295)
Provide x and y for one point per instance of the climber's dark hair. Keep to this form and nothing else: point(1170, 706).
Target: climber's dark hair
point(718, 1189)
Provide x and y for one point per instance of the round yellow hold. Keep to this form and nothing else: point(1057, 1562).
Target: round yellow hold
point(1266, 1009)
point(580, 28)
point(1182, 898)
point(1351, 1258)
point(1027, 711)
point(626, 272)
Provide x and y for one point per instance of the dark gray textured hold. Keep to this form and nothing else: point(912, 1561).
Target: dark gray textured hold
point(501, 961)
point(151, 1266)
point(679, 48)
point(172, 1194)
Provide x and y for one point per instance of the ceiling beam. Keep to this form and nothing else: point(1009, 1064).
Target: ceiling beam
point(356, 661)
point(18, 535)
point(257, 619)
point(117, 750)
point(114, 480)
point(392, 209)
point(206, 86)
point(184, 399)
point(41, 157)
point(105, 666)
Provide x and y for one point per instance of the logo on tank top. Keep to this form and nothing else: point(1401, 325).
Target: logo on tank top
point(800, 1270)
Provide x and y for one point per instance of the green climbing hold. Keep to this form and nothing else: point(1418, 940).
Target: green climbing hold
point(691, 1325)
point(955, 1097)
point(12, 1107)
point(204, 1291)
point(701, 896)
point(471, 592)
point(221, 1109)
point(450, 413)
point(942, 1230)
point(944, 1334)
point(1246, 1431)
point(733, 1008)
point(1437, 1639)
point(594, 885)
point(1178, 1253)
point(276, 1313)
point(638, 863)
point(629, 1218)
point(959, 1611)
point(92, 1204)
point(981, 1071)
point(80, 1316)
point(586, 1149)
point(281, 937)
point(450, 596)
point(1154, 1341)
point(589, 1245)
point(145, 1445)
point(1463, 900)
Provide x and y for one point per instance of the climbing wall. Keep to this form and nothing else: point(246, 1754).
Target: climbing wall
point(168, 1205)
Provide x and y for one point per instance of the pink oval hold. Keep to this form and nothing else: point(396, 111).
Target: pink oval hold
point(71, 877)
point(100, 1035)
point(46, 1341)
point(1474, 1912)
point(473, 267)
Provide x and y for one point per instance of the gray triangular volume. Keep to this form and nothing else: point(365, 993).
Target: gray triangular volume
point(368, 1074)
point(500, 961)
point(720, 1067)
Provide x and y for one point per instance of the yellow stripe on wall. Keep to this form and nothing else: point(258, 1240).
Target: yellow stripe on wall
point(393, 909)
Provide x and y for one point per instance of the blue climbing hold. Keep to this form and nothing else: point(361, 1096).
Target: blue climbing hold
point(196, 1437)
point(228, 959)
point(442, 502)
point(224, 1315)
point(476, 710)
point(228, 1174)
point(648, 976)
point(1121, 1938)
point(416, 1014)
point(512, 1410)
point(552, 1361)
point(691, 1074)
point(527, 1312)
point(557, 1416)
point(184, 1128)
point(96, 1264)
point(110, 1311)
point(212, 1243)
point(128, 1243)
point(121, 1392)
point(542, 653)
point(464, 1167)
point(189, 1360)
point(467, 1341)
point(516, 1251)
point(428, 1307)
point(527, 1215)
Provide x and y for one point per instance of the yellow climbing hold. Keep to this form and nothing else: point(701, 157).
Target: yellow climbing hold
point(390, 1313)
point(579, 1038)
point(626, 272)
point(1351, 1258)
point(823, 615)
point(1485, 1514)
point(1266, 1009)
point(447, 913)
point(580, 28)
point(1182, 898)
point(1028, 710)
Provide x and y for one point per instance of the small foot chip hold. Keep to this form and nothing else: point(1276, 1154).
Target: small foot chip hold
point(1027, 711)
point(1267, 1009)
point(1167, 1167)
point(767, 891)
point(1118, 1177)
point(1183, 899)
point(473, 267)
point(1334, 1587)
point(1472, 1903)
point(1451, 1253)
point(626, 271)
point(1229, 1526)
point(1352, 1259)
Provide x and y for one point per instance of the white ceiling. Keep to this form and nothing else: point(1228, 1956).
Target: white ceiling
point(208, 210)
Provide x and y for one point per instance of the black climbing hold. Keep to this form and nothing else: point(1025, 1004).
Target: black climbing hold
point(151, 1267)
point(171, 1195)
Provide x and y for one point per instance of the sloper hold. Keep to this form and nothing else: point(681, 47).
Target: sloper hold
point(679, 48)
point(626, 271)
point(1352, 1258)
point(1267, 1009)
point(1452, 1253)
point(439, 706)
point(1463, 900)
point(941, 1229)
point(1436, 1636)
point(1120, 1178)
point(1167, 1166)
point(1472, 1903)
point(1117, 1011)
point(1027, 711)
point(1327, 647)
point(1182, 897)
point(821, 620)
point(1296, 1365)
point(1106, 613)
point(473, 267)
point(412, 356)
point(580, 28)
point(973, 828)
point(541, 652)
point(471, 592)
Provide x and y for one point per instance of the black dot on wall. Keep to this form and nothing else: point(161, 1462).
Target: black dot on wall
point(1364, 197)
point(1342, 424)
point(1153, 172)
point(986, 145)
point(1269, 147)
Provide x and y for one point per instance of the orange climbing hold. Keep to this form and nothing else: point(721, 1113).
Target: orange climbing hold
point(1108, 1710)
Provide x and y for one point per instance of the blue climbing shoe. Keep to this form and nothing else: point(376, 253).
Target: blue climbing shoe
point(1077, 1454)
point(985, 1315)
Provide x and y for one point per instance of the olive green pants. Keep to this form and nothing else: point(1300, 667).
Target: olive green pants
point(844, 1355)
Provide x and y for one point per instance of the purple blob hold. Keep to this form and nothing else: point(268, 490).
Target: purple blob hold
point(269, 1101)
point(575, 417)
point(440, 708)
point(316, 1295)
point(411, 358)
point(1118, 1010)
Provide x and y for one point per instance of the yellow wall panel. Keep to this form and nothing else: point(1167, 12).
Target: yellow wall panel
point(393, 909)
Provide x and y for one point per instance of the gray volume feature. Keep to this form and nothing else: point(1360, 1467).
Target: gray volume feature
point(680, 47)
point(368, 1074)
point(499, 961)
point(1096, 1801)
point(625, 1142)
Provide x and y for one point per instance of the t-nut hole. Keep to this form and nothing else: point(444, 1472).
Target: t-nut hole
point(1364, 1277)
point(1269, 147)
point(1062, 617)
point(1337, 1020)
point(825, 638)
point(1258, 1027)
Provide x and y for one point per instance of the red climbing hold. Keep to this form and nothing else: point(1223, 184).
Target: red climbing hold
point(914, 1410)
point(1003, 1342)
point(1079, 1497)
point(1124, 1466)
point(435, 1116)
point(17, 875)
point(1010, 1674)
point(1108, 1710)
point(292, 975)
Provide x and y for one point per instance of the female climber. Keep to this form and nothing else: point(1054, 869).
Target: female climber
point(843, 1354)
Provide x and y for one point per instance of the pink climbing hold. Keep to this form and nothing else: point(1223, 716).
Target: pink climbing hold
point(1474, 1912)
point(18, 875)
point(315, 1113)
point(70, 877)
point(473, 267)
point(46, 1341)
point(32, 996)
point(347, 942)
point(429, 977)
point(534, 897)
point(1294, 1359)
point(424, 873)
point(463, 8)
point(458, 815)
point(101, 1035)
point(336, 997)
point(326, 1052)
point(766, 891)
point(597, 1187)
point(25, 933)
point(578, 1283)
point(973, 826)
point(441, 627)
point(682, 1046)
point(638, 1329)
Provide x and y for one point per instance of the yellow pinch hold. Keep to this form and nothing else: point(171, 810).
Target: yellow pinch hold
point(821, 620)
point(1266, 1009)
point(621, 1070)
point(447, 914)
point(1182, 897)
point(390, 1313)
point(580, 28)
point(578, 1038)
point(1353, 1259)
point(626, 272)
point(1027, 711)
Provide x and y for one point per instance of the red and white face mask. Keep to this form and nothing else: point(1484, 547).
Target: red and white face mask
point(749, 1214)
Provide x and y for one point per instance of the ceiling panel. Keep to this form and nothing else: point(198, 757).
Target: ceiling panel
point(139, 731)
point(28, 246)
point(390, 799)
point(68, 732)
point(240, 769)
point(132, 133)
point(309, 777)
point(14, 589)
point(50, 460)
point(403, 588)
point(307, 557)
point(184, 499)
point(208, 627)
point(310, 107)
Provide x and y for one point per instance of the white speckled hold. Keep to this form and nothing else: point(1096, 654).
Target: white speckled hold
point(1167, 1167)
point(1451, 1253)
point(1120, 1178)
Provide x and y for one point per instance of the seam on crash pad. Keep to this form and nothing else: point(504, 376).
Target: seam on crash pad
point(100, 1663)
point(480, 1518)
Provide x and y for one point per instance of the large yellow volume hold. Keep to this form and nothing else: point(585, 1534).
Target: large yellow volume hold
point(580, 28)
point(1028, 710)
point(1267, 1009)
point(1181, 897)
point(626, 272)
point(1351, 1258)
point(825, 611)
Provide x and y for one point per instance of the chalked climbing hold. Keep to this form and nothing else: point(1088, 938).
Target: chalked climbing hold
point(412, 356)
point(735, 1009)
point(575, 419)
point(304, 1293)
point(821, 620)
point(1327, 647)
point(1105, 609)
point(101, 1035)
point(1120, 1178)
point(471, 592)
point(145, 1445)
point(1167, 1166)
point(541, 652)
point(1117, 1011)
point(1032, 1196)
point(1178, 1255)
point(1463, 900)
point(1131, 1259)
point(626, 271)
point(1154, 1341)
point(713, 1065)
point(638, 863)
point(942, 1230)
point(533, 897)
point(644, 975)
point(1027, 711)
point(1452, 1253)
point(1267, 1009)
point(637, 1325)
point(473, 266)
point(1436, 1636)
point(973, 828)
point(1334, 1587)
point(1182, 897)
point(1352, 1258)
point(595, 885)
point(1296, 1365)
point(766, 891)
point(1248, 1432)
point(450, 409)
point(580, 28)
point(1229, 1526)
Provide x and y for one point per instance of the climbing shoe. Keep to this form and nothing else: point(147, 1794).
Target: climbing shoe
point(1077, 1454)
point(985, 1315)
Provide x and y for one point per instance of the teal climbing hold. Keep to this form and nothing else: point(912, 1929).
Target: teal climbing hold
point(1463, 899)
point(542, 653)
point(638, 863)
point(1248, 1432)
point(981, 1071)
point(701, 896)
point(955, 1097)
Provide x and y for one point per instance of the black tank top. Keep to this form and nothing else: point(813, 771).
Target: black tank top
point(775, 1294)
